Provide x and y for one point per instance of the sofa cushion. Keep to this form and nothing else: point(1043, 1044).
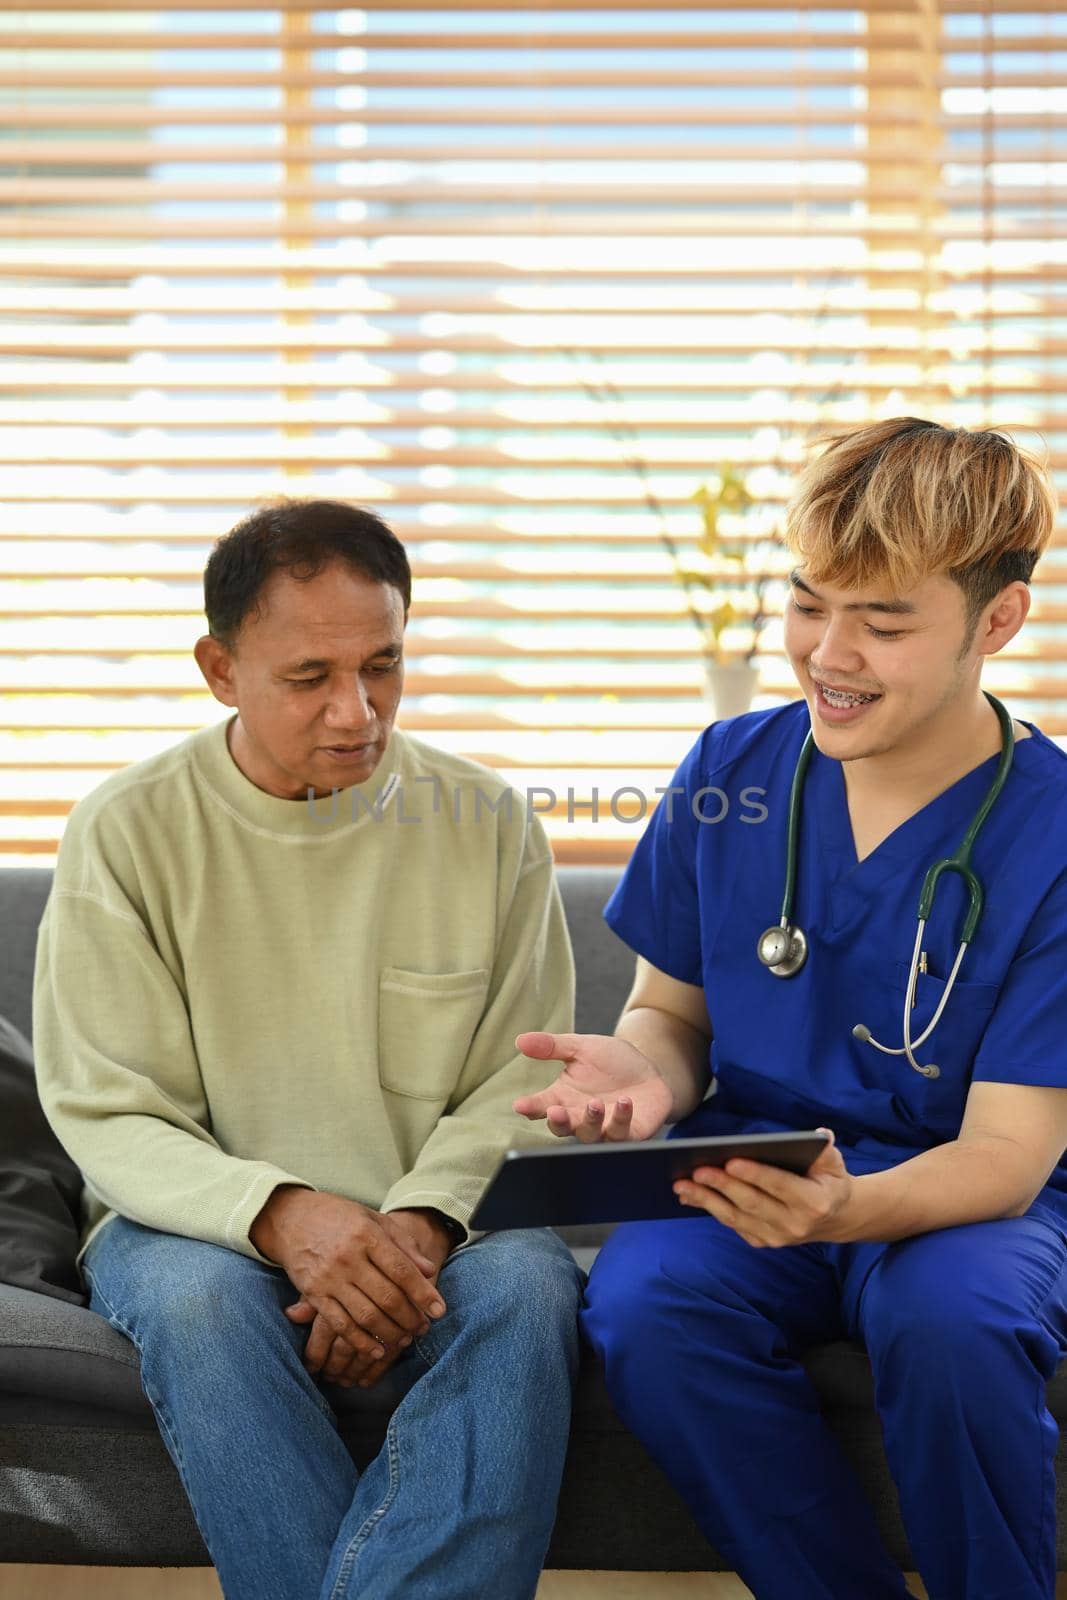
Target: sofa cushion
point(40, 1187)
point(66, 1353)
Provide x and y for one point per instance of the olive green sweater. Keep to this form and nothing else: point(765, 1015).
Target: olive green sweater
point(235, 990)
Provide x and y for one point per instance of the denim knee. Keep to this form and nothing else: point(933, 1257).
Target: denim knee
point(524, 1275)
point(189, 1297)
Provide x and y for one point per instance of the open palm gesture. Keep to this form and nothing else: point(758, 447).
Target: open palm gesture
point(607, 1089)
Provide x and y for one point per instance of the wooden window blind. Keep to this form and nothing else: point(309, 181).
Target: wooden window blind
point(524, 280)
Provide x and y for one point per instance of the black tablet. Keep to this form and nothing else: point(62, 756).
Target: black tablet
point(628, 1182)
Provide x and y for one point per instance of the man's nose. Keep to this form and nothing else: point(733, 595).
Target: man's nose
point(838, 650)
point(349, 705)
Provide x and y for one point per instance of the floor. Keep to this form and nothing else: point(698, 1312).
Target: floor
point(200, 1583)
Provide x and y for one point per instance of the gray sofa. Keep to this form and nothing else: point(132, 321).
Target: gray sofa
point(85, 1478)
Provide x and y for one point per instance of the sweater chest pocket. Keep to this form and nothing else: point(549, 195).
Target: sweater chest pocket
point(426, 1021)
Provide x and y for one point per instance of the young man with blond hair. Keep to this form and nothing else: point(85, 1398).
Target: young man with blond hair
point(934, 1227)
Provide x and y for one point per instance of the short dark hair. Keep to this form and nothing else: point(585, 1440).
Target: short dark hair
point(302, 537)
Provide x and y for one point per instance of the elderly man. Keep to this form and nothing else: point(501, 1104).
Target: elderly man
point(278, 984)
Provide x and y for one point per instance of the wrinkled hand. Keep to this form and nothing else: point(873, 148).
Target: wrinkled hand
point(608, 1089)
point(428, 1245)
point(769, 1207)
point(360, 1272)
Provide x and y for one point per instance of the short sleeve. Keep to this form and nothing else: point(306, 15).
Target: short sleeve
point(656, 906)
point(1026, 1040)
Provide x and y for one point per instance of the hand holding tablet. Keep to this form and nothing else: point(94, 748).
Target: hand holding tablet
point(623, 1182)
point(613, 1102)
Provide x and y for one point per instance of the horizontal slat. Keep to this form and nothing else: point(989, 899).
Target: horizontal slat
point(815, 74)
point(888, 305)
point(534, 376)
point(611, 527)
point(520, 601)
point(527, 642)
point(710, 225)
point(993, 77)
point(540, 36)
point(517, 569)
point(376, 260)
point(96, 154)
point(524, 489)
point(369, 188)
point(529, 415)
point(802, 114)
point(144, 597)
point(85, 192)
point(544, 540)
point(385, 7)
point(972, 7)
point(372, 261)
point(579, 454)
point(131, 186)
point(34, 587)
point(47, 593)
point(529, 333)
point(1011, 118)
point(1026, 40)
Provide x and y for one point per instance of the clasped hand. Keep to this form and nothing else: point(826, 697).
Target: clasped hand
point(368, 1283)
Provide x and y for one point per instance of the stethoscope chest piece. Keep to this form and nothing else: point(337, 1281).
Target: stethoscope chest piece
point(783, 949)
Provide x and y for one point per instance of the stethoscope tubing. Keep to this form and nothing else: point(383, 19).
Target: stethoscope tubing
point(783, 949)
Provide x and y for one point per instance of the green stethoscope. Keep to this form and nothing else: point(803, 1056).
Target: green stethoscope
point(784, 949)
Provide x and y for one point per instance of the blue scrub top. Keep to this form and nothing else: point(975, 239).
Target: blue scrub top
point(697, 894)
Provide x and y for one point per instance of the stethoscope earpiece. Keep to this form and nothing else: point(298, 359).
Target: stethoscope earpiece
point(864, 1035)
point(784, 949)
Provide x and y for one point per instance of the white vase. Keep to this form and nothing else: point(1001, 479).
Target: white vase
point(729, 687)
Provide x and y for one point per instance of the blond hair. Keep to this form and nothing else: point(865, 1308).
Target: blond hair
point(901, 501)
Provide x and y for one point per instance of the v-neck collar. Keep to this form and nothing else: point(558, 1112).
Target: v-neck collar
point(924, 821)
point(933, 831)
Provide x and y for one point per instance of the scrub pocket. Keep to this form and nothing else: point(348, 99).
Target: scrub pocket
point(953, 1045)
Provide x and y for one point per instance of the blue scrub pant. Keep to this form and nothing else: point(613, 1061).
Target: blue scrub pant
point(701, 1337)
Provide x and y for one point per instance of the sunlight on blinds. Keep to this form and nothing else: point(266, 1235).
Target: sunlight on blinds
point(538, 285)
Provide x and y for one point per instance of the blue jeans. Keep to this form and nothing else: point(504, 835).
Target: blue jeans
point(461, 1499)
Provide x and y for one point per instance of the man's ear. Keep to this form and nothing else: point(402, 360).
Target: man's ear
point(1001, 621)
point(216, 664)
